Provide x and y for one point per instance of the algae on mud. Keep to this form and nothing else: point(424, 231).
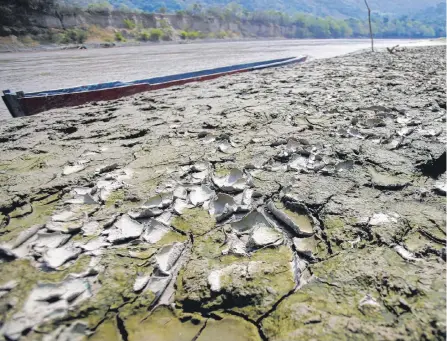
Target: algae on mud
point(319, 138)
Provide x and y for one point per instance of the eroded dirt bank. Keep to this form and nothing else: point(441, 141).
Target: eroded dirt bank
point(291, 204)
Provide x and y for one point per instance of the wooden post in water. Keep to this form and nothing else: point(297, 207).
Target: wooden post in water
point(370, 28)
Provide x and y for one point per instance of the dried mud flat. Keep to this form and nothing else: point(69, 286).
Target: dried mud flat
point(302, 203)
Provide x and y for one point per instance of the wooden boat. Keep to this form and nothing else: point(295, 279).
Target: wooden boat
point(27, 104)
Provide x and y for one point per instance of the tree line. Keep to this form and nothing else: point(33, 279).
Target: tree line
point(307, 26)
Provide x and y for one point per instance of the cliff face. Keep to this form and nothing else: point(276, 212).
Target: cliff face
point(41, 22)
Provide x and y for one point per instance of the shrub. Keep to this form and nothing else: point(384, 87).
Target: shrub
point(144, 36)
point(222, 35)
point(74, 36)
point(155, 34)
point(119, 36)
point(192, 35)
point(183, 35)
point(130, 24)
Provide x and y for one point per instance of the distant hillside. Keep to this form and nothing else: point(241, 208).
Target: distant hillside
point(335, 8)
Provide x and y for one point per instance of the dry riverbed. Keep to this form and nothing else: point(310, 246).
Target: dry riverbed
point(300, 203)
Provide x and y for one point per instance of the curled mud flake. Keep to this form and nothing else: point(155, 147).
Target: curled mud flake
point(234, 245)
point(124, 229)
point(83, 196)
point(68, 227)
point(200, 194)
point(209, 139)
point(7, 254)
point(26, 235)
point(299, 223)
point(197, 178)
point(154, 231)
point(249, 222)
point(162, 200)
point(344, 166)
point(47, 240)
point(405, 131)
point(165, 218)
point(404, 253)
point(106, 187)
point(222, 206)
point(305, 246)
point(75, 168)
point(91, 228)
point(396, 143)
point(293, 146)
point(431, 132)
point(181, 205)
point(386, 181)
point(64, 216)
point(95, 244)
point(180, 192)
point(369, 305)
point(200, 167)
point(379, 219)
point(298, 163)
point(106, 168)
point(168, 256)
point(235, 181)
point(54, 258)
point(47, 301)
point(264, 235)
point(441, 187)
point(7, 287)
point(77, 331)
point(227, 147)
point(141, 282)
point(355, 133)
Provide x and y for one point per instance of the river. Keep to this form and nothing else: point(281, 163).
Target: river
point(43, 70)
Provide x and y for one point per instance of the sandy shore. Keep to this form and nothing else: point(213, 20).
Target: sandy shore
point(300, 203)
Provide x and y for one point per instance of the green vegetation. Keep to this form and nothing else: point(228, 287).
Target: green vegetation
point(428, 23)
point(154, 34)
point(130, 24)
point(119, 37)
point(74, 36)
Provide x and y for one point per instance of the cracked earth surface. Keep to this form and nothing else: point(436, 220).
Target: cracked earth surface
point(300, 203)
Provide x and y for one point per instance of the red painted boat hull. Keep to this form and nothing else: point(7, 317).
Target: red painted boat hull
point(31, 105)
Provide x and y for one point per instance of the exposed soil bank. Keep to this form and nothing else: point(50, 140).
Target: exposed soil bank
point(305, 202)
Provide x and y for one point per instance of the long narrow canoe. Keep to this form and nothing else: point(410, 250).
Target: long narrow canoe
point(27, 104)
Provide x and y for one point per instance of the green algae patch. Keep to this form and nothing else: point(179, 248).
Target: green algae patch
point(26, 163)
point(40, 213)
point(28, 276)
point(322, 312)
point(196, 221)
point(115, 197)
point(114, 286)
point(161, 325)
point(249, 286)
point(358, 295)
point(221, 172)
point(229, 328)
point(171, 237)
point(107, 331)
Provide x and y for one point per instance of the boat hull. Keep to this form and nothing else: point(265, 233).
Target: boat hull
point(21, 104)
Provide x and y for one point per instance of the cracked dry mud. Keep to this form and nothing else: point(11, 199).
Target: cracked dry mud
point(301, 203)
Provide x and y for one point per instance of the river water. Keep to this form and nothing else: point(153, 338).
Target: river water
point(36, 71)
